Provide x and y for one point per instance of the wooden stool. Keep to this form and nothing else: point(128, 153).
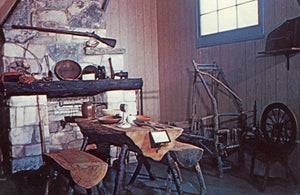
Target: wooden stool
point(186, 156)
point(83, 168)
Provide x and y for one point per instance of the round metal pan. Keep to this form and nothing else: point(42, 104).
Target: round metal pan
point(67, 70)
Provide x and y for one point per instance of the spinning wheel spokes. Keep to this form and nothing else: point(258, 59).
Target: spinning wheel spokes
point(278, 124)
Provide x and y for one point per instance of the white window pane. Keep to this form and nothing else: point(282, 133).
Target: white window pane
point(243, 1)
point(209, 23)
point(208, 6)
point(227, 19)
point(247, 14)
point(225, 3)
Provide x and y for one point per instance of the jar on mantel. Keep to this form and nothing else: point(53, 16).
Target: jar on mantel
point(88, 110)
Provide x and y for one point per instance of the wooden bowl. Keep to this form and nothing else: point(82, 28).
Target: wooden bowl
point(108, 119)
point(67, 70)
point(143, 118)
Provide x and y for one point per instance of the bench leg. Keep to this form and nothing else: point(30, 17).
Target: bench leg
point(148, 168)
point(169, 182)
point(201, 179)
point(175, 174)
point(121, 170)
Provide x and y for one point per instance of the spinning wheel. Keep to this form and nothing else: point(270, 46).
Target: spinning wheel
point(279, 125)
point(277, 139)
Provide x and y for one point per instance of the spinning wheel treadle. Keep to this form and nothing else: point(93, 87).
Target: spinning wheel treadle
point(279, 125)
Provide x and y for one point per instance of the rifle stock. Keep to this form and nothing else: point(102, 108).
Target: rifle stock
point(107, 41)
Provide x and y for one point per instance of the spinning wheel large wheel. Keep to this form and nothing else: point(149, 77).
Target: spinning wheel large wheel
point(279, 125)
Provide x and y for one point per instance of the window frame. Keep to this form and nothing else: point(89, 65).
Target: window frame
point(231, 36)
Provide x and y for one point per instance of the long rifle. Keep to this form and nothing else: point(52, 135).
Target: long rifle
point(107, 41)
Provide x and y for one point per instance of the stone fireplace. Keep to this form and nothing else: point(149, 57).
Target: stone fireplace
point(37, 53)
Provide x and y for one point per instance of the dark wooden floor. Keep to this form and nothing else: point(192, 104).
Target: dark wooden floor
point(234, 182)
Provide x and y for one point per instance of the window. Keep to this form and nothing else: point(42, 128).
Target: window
point(227, 21)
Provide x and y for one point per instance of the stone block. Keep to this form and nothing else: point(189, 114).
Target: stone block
point(39, 51)
point(64, 38)
point(115, 96)
point(114, 106)
point(33, 150)
point(129, 96)
point(21, 135)
point(56, 147)
point(28, 163)
point(29, 100)
point(12, 50)
point(75, 143)
point(54, 126)
point(79, 40)
point(31, 116)
point(75, 127)
point(91, 16)
point(53, 117)
point(101, 32)
point(131, 108)
point(62, 51)
point(13, 117)
point(44, 38)
point(15, 101)
point(17, 151)
point(90, 60)
point(20, 114)
point(50, 18)
point(62, 137)
point(79, 135)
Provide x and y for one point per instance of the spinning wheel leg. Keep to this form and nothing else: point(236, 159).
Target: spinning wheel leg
point(266, 176)
point(252, 165)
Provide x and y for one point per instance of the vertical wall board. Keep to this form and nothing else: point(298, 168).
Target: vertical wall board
point(250, 64)
point(154, 55)
point(124, 29)
point(280, 62)
point(127, 21)
point(260, 81)
point(163, 28)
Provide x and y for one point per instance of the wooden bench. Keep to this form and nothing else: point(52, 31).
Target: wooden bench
point(187, 156)
point(85, 170)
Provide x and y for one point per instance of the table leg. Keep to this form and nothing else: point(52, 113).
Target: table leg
point(121, 170)
point(172, 167)
point(137, 171)
point(141, 161)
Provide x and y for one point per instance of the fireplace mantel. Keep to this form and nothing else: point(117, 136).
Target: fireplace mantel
point(74, 88)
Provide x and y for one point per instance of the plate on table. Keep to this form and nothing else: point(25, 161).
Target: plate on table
point(109, 119)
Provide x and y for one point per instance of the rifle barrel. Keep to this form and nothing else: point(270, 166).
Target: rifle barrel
point(107, 41)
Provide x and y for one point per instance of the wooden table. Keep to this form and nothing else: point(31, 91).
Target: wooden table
point(136, 139)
